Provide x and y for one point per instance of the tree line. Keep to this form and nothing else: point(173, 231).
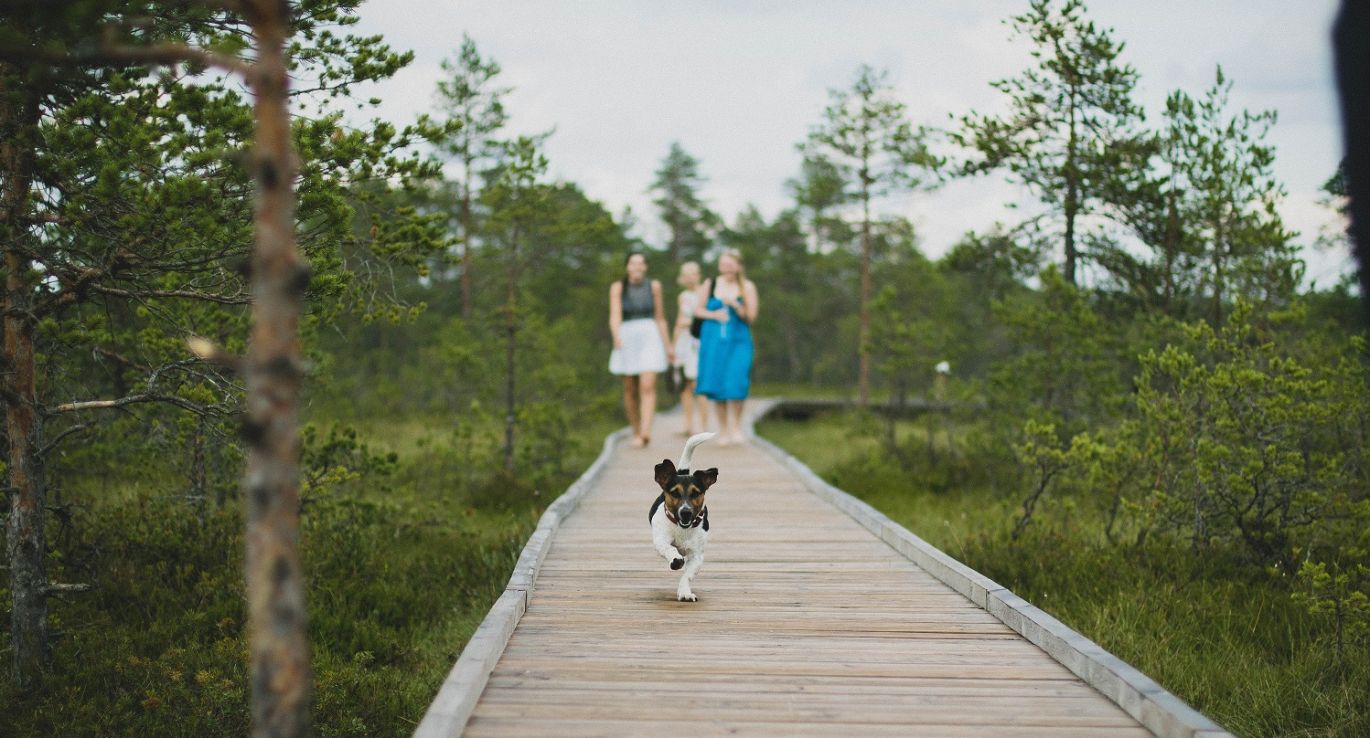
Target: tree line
point(1142, 341)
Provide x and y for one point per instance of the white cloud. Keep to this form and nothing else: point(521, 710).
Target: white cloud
point(739, 83)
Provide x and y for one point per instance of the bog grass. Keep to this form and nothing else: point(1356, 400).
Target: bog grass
point(403, 556)
point(1222, 636)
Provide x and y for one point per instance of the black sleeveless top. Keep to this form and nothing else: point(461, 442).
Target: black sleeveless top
point(637, 300)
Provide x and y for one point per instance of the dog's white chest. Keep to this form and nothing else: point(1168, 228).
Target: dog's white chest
point(686, 539)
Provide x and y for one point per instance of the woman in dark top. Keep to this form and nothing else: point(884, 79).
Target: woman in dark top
point(641, 346)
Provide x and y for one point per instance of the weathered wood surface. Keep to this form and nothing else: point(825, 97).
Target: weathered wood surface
point(807, 624)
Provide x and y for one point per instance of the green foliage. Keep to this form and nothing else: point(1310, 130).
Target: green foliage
point(1340, 593)
point(1226, 638)
point(474, 107)
point(690, 221)
point(1072, 130)
point(1237, 439)
point(1191, 494)
point(819, 192)
point(1207, 215)
point(157, 647)
point(800, 288)
point(866, 141)
point(1066, 368)
point(147, 218)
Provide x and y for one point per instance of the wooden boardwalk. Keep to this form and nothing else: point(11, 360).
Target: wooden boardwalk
point(807, 624)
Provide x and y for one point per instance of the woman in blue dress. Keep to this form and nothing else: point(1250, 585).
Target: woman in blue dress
point(729, 305)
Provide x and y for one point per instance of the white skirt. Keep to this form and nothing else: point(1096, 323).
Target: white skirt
point(642, 350)
point(687, 354)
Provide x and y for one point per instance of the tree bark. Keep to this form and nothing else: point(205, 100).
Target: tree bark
point(27, 546)
point(510, 345)
point(1072, 204)
point(863, 339)
point(1172, 250)
point(1219, 265)
point(278, 646)
point(466, 246)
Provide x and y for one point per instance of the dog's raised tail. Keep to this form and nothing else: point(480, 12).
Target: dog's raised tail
point(688, 454)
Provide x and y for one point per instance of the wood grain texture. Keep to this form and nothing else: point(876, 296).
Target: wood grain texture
point(807, 625)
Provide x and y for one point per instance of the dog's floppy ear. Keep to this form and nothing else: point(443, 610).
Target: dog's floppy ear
point(665, 471)
point(705, 478)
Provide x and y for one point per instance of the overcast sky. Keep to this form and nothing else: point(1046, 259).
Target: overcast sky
point(738, 83)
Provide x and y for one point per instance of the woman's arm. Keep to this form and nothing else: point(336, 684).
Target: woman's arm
point(660, 314)
point(744, 304)
point(682, 318)
point(702, 303)
point(616, 312)
point(753, 303)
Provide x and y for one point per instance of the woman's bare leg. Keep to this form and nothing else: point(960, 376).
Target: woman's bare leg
point(687, 403)
point(646, 404)
point(630, 405)
point(721, 409)
point(735, 410)
point(702, 403)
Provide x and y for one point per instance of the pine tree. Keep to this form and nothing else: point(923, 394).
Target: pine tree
point(516, 198)
point(865, 138)
point(133, 212)
point(690, 221)
point(1072, 126)
point(1230, 198)
point(819, 191)
point(474, 106)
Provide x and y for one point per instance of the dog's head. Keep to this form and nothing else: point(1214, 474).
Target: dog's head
point(684, 490)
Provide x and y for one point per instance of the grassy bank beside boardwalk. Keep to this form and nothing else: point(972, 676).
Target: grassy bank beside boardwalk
point(409, 533)
point(1230, 641)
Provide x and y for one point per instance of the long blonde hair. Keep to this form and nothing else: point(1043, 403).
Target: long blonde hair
point(741, 266)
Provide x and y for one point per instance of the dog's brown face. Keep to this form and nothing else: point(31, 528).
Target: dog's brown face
point(684, 493)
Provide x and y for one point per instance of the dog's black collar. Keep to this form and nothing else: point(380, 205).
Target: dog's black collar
point(701, 519)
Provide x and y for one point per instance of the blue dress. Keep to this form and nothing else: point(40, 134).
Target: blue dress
point(725, 356)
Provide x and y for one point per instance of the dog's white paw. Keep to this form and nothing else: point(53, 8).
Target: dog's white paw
point(686, 597)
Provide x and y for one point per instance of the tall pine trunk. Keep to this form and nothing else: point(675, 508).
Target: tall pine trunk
point(1072, 203)
point(675, 247)
point(19, 111)
point(863, 338)
point(1219, 267)
point(275, 588)
point(1171, 244)
point(466, 246)
point(510, 346)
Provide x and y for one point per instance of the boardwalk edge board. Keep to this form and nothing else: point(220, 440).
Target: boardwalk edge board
point(1137, 694)
point(449, 712)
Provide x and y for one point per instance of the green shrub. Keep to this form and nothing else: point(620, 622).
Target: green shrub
point(1228, 637)
point(402, 557)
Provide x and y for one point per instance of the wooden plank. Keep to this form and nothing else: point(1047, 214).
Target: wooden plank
point(808, 624)
point(523, 727)
point(847, 710)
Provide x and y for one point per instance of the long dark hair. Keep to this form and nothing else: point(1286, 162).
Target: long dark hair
point(627, 259)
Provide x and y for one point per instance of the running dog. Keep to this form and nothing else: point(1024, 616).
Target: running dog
point(680, 521)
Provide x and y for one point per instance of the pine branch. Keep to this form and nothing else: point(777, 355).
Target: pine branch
point(60, 588)
point(164, 54)
point(46, 449)
point(72, 407)
point(187, 294)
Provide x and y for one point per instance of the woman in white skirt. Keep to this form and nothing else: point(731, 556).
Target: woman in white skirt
point(687, 348)
point(641, 346)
